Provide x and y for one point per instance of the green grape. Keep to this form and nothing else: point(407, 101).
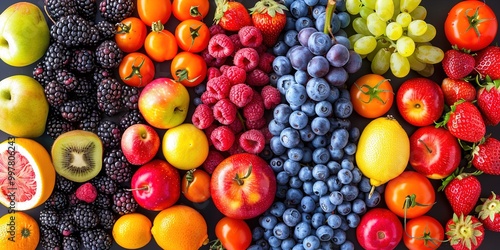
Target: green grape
point(417, 27)
point(399, 65)
point(365, 45)
point(429, 54)
point(381, 61)
point(375, 25)
point(415, 64)
point(353, 6)
point(355, 37)
point(359, 25)
point(393, 31)
point(420, 13)
point(405, 46)
point(429, 34)
point(365, 12)
point(384, 9)
point(404, 19)
point(408, 5)
point(381, 44)
point(396, 9)
point(369, 3)
point(427, 71)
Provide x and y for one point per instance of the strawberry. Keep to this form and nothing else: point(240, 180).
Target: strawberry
point(464, 121)
point(488, 100)
point(465, 232)
point(486, 156)
point(456, 89)
point(488, 62)
point(231, 15)
point(489, 212)
point(457, 64)
point(269, 16)
point(462, 191)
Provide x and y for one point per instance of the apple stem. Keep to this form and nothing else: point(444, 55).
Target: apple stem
point(426, 146)
point(241, 180)
point(136, 189)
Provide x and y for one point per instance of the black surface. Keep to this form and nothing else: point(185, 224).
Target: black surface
point(437, 11)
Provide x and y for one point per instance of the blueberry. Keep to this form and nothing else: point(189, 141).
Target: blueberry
point(336, 76)
point(295, 182)
point(276, 146)
point(364, 185)
point(350, 148)
point(334, 221)
point(298, 119)
point(318, 66)
point(318, 89)
point(290, 23)
point(311, 3)
point(319, 43)
point(320, 172)
point(307, 155)
point(307, 204)
point(327, 245)
point(263, 244)
point(307, 187)
point(341, 6)
point(300, 57)
point(319, 141)
point(334, 22)
point(303, 22)
point(282, 178)
point(306, 217)
point(291, 167)
point(308, 108)
point(274, 241)
point(287, 244)
point(347, 245)
point(292, 216)
point(257, 233)
point(355, 62)
point(281, 191)
point(344, 208)
point(290, 137)
point(296, 94)
point(343, 39)
point(333, 183)
point(293, 196)
point(342, 108)
point(339, 236)
point(301, 77)
point(255, 246)
point(299, 8)
point(311, 242)
point(345, 176)
point(337, 55)
point(302, 230)
point(317, 219)
point(282, 65)
point(200, 88)
point(344, 18)
point(281, 113)
point(335, 153)
point(340, 123)
point(339, 138)
point(373, 200)
point(281, 231)
point(295, 154)
point(326, 205)
point(320, 188)
point(336, 198)
point(347, 164)
point(334, 167)
point(290, 38)
point(356, 175)
point(353, 220)
point(275, 127)
point(324, 233)
point(197, 101)
point(268, 221)
point(280, 48)
point(321, 156)
point(304, 35)
point(358, 206)
point(305, 173)
point(350, 192)
point(277, 208)
point(317, 10)
point(298, 246)
point(320, 125)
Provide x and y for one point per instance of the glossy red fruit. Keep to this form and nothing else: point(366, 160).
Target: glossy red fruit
point(456, 89)
point(379, 229)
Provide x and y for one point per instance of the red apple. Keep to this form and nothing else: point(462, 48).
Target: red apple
point(164, 103)
point(243, 186)
point(420, 101)
point(140, 143)
point(379, 229)
point(156, 185)
point(434, 152)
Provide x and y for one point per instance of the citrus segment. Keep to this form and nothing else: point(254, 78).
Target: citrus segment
point(185, 146)
point(132, 231)
point(18, 230)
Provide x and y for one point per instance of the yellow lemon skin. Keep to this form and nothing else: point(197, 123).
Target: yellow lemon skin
point(185, 146)
point(383, 150)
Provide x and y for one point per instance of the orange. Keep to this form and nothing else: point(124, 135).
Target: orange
point(180, 227)
point(185, 146)
point(27, 176)
point(132, 231)
point(18, 230)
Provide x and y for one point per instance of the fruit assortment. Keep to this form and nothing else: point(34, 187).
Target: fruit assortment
point(270, 139)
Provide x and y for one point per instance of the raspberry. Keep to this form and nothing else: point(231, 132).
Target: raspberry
point(235, 38)
point(252, 141)
point(267, 134)
point(208, 131)
point(212, 61)
point(208, 98)
point(240, 94)
point(220, 46)
point(235, 74)
point(236, 126)
point(271, 96)
point(222, 138)
point(246, 58)
point(223, 68)
point(257, 77)
point(202, 116)
point(225, 111)
point(213, 72)
point(266, 62)
point(215, 29)
point(236, 148)
point(86, 192)
point(250, 36)
point(214, 157)
point(261, 49)
point(254, 110)
point(220, 86)
point(256, 124)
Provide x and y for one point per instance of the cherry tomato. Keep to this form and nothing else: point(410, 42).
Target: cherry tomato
point(471, 25)
point(195, 185)
point(423, 233)
point(136, 69)
point(234, 234)
point(160, 44)
point(372, 95)
point(188, 68)
point(130, 34)
point(410, 188)
point(190, 9)
point(192, 35)
point(154, 10)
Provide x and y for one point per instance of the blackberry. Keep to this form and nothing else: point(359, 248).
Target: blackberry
point(130, 97)
point(71, 242)
point(110, 134)
point(116, 166)
point(57, 56)
point(55, 93)
point(130, 118)
point(85, 216)
point(82, 61)
point(116, 10)
point(57, 200)
point(100, 74)
point(42, 74)
point(56, 125)
point(102, 201)
point(87, 9)
point(96, 239)
point(104, 184)
point(124, 202)
point(50, 238)
point(64, 185)
point(48, 217)
point(106, 29)
point(109, 94)
point(73, 200)
point(67, 226)
point(74, 31)
point(108, 55)
point(59, 8)
point(106, 218)
point(66, 78)
point(91, 122)
point(84, 89)
point(74, 110)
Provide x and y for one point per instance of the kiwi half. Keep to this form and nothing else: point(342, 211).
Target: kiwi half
point(77, 155)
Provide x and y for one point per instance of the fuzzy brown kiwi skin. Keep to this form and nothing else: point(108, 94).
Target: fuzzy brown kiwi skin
point(77, 155)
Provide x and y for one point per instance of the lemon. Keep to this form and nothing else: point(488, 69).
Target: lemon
point(383, 150)
point(185, 146)
point(132, 231)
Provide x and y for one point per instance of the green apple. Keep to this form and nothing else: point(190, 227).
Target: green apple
point(23, 106)
point(24, 34)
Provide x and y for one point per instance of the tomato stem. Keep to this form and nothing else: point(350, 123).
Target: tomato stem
point(241, 180)
point(474, 21)
point(136, 71)
point(195, 33)
point(372, 92)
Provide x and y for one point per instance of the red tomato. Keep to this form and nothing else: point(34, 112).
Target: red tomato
point(190, 9)
point(136, 69)
point(195, 185)
point(130, 34)
point(423, 233)
point(160, 44)
point(192, 35)
point(233, 234)
point(471, 25)
point(154, 10)
point(372, 95)
point(379, 229)
point(410, 188)
point(188, 68)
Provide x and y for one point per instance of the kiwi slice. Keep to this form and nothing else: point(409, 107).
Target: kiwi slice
point(77, 155)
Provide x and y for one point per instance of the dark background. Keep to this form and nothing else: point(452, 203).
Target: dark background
point(437, 11)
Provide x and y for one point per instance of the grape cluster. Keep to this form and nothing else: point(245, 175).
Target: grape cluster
point(393, 34)
point(321, 193)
